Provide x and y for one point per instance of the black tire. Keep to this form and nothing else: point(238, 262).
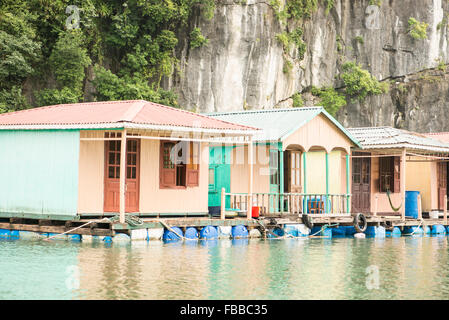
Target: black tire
point(388, 225)
point(307, 221)
point(360, 223)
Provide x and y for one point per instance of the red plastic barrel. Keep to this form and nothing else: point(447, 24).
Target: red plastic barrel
point(255, 212)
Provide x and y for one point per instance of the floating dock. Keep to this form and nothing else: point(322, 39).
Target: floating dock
point(190, 228)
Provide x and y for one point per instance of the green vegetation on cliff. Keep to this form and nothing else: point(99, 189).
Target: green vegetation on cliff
point(126, 46)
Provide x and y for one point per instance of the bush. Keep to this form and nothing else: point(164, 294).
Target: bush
point(297, 100)
point(69, 59)
point(197, 40)
point(112, 87)
point(294, 37)
point(48, 97)
point(359, 82)
point(19, 51)
point(330, 99)
point(12, 100)
point(418, 30)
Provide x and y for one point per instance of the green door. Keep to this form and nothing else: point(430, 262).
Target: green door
point(274, 180)
point(219, 177)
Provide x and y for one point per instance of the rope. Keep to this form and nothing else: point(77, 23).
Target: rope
point(277, 237)
point(83, 225)
point(170, 229)
point(325, 227)
point(411, 234)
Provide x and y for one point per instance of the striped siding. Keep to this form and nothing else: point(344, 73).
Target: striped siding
point(39, 173)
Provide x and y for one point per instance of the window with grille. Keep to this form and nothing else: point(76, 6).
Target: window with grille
point(389, 174)
point(179, 164)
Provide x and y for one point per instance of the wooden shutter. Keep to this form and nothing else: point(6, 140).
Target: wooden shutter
point(396, 174)
point(390, 173)
point(287, 169)
point(381, 174)
point(167, 170)
point(193, 165)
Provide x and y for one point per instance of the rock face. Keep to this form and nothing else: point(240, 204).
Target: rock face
point(242, 65)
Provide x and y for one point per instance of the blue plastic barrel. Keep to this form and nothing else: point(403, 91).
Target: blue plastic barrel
point(411, 204)
point(172, 236)
point(209, 233)
point(5, 233)
point(338, 231)
point(277, 231)
point(191, 233)
point(239, 231)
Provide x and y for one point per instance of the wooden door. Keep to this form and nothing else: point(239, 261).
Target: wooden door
point(112, 175)
point(442, 183)
point(361, 183)
point(292, 171)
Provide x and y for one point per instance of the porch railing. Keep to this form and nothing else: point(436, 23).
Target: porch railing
point(275, 204)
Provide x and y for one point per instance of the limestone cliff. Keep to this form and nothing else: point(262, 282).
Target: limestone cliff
point(242, 66)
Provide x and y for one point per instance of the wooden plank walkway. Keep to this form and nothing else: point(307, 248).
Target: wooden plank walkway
point(100, 227)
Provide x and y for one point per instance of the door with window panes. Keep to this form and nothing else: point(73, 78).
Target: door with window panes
point(442, 183)
point(112, 174)
point(361, 183)
point(292, 171)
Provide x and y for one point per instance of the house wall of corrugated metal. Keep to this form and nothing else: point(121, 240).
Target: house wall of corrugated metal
point(39, 173)
point(91, 173)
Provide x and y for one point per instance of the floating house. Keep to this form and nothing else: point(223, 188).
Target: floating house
point(301, 163)
point(394, 167)
point(70, 161)
point(440, 174)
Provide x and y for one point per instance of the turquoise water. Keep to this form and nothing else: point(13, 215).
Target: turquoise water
point(407, 268)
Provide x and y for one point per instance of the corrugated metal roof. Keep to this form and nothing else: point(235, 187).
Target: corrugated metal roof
point(278, 124)
point(441, 136)
point(112, 113)
point(393, 138)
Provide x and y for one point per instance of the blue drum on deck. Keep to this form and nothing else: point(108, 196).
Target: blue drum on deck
point(411, 204)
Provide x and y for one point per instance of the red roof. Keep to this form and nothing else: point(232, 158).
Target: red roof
point(113, 112)
point(442, 136)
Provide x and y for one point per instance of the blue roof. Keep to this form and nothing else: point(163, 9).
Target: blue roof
point(278, 124)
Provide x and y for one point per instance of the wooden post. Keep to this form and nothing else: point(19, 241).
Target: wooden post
point(347, 185)
point(326, 204)
point(376, 200)
point(223, 204)
point(250, 178)
point(122, 176)
point(402, 178)
point(281, 177)
point(445, 209)
point(304, 200)
point(419, 207)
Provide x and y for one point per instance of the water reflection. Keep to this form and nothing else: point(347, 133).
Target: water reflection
point(409, 268)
